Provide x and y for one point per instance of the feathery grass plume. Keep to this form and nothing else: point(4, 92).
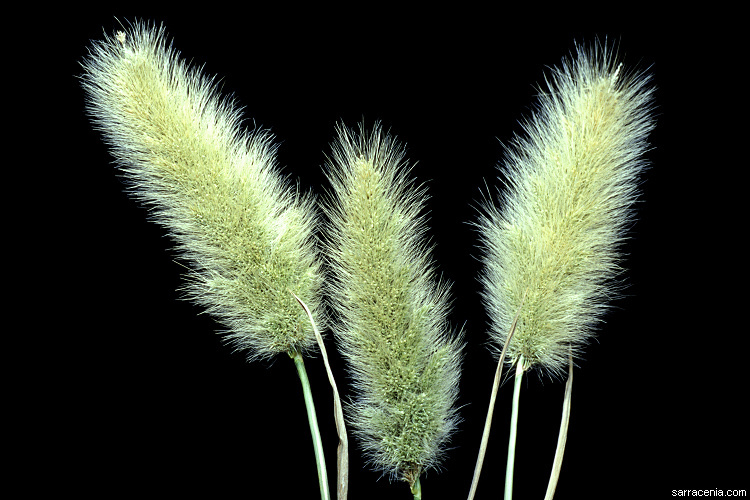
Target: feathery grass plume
point(246, 233)
point(392, 310)
point(571, 184)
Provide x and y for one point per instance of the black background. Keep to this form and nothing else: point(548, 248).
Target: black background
point(132, 392)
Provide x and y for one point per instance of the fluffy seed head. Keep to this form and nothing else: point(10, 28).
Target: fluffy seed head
point(392, 311)
point(245, 232)
point(571, 183)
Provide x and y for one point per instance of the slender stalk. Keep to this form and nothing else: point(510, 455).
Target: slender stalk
point(313, 420)
point(342, 483)
point(491, 409)
point(513, 430)
point(563, 436)
point(487, 424)
point(416, 489)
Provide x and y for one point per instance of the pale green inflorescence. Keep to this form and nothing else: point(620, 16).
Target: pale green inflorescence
point(571, 184)
point(392, 310)
point(246, 233)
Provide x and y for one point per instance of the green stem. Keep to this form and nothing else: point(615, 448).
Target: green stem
point(513, 429)
point(491, 409)
point(342, 452)
point(562, 437)
point(416, 489)
point(313, 420)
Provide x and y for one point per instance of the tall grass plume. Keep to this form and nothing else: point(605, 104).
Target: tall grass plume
point(392, 309)
point(571, 182)
point(246, 233)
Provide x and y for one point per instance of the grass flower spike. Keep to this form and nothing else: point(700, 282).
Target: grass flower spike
point(246, 234)
point(214, 187)
point(552, 250)
point(571, 184)
point(392, 311)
